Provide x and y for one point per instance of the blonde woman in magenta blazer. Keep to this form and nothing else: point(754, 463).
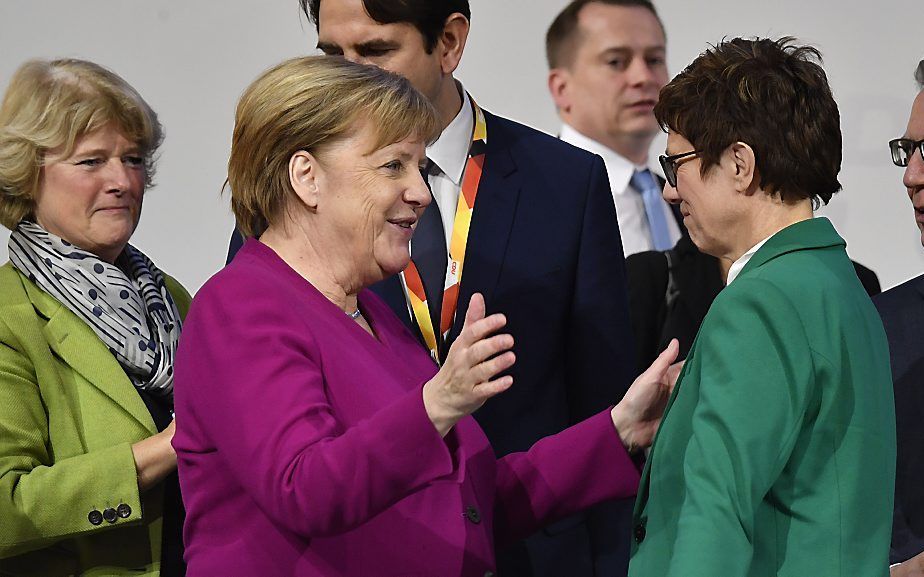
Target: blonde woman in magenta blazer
point(317, 437)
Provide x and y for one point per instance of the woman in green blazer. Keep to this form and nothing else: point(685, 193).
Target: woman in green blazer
point(776, 453)
point(88, 331)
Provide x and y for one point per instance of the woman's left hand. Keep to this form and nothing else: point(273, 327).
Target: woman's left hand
point(638, 414)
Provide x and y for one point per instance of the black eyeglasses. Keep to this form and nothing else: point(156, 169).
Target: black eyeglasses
point(669, 166)
point(903, 148)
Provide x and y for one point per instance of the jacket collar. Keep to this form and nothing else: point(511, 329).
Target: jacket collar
point(803, 235)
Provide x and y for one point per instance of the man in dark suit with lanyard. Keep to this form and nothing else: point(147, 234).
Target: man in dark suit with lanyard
point(529, 222)
point(902, 312)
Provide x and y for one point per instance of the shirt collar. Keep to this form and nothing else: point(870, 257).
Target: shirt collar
point(618, 167)
point(450, 151)
point(737, 266)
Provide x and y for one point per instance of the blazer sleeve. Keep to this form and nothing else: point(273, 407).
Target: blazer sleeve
point(744, 426)
point(601, 353)
point(561, 475)
point(308, 471)
point(44, 500)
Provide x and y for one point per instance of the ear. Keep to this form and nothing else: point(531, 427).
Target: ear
point(558, 88)
point(451, 42)
point(742, 160)
point(304, 176)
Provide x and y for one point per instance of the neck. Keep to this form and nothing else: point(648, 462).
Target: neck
point(448, 102)
point(772, 216)
point(300, 251)
point(633, 147)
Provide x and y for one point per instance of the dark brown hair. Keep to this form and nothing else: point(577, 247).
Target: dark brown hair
point(428, 16)
point(770, 94)
point(563, 36)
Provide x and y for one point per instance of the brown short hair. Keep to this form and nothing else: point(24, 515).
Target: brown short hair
point(307, 104)
point(770, 94)
point(563, 36)
point(428, 16)
point(49, 105)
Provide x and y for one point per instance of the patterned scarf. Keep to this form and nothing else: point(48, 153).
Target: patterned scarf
point(133, 315)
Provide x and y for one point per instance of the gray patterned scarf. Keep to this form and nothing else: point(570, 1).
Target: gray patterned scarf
point(134, 315)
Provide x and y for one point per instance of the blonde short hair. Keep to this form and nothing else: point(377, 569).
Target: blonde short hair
point(307, 104)
point(49, 105)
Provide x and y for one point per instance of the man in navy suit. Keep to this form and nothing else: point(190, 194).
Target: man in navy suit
point(543, 247)
point(902, 311)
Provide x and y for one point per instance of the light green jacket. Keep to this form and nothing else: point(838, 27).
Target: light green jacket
point(68, 418)
point(776, 455)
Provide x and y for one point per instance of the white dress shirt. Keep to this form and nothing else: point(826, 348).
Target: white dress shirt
point(735, 269)
point(630, 208)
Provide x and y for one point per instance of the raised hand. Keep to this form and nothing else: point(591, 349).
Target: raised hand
point(465, 382)
point(638, 414)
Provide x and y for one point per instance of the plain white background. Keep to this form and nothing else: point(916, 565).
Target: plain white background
point(192, 59)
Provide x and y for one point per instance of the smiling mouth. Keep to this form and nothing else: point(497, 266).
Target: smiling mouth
point(407, 223)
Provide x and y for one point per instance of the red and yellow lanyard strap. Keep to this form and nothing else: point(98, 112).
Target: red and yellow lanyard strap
point(465, 208)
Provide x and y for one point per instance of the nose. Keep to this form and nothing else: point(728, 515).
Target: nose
point(914, 173)
point(670, 194)
point(118, 176)
point(639, 72)
point(418, 191)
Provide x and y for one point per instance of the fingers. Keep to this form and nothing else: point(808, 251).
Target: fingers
point(488, 369)
point(487, 348)
point(492, 388)
point(475, 310)
point(665, 359)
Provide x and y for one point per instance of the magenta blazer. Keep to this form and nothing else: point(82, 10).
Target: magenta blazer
point(304, 447)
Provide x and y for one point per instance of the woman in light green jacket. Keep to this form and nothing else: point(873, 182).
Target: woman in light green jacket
point(88, 331)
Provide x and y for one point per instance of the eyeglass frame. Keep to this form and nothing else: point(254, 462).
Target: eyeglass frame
point(895, 148)
point(669, 166)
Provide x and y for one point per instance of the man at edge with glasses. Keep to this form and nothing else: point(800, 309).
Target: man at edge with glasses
point(902, 311)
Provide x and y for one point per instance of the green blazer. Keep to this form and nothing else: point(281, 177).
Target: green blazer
point(68, 418)
point(776, 454)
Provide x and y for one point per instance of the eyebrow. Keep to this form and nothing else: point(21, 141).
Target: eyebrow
point(134, 150)
point(362, 47)
point(328, 47)
point(629, 50)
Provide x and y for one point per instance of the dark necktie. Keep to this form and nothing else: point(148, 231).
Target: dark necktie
point(428, 249)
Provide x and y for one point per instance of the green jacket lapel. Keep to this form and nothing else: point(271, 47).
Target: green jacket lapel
point(76, 344)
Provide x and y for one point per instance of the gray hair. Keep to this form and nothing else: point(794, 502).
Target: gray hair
point(919, 74)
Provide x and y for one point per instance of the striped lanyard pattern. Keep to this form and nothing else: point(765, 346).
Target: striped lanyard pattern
point(465, 208)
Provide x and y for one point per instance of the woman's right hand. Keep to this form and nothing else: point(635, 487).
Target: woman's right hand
point(464, 381)
point(155, 457)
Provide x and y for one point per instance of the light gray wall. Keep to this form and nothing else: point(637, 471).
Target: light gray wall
point(192, 58)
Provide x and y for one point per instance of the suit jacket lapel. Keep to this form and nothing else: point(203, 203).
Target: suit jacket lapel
point(74, 342)
point(391, 291)
point(492, 222)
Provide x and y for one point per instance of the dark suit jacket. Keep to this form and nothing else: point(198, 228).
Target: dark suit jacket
point(902, 312)
point(544, 249)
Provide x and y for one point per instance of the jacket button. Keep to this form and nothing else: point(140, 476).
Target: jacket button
point(110, 515)
point(472, 515)
point(95, 517)
point(639, 533)
point(124, 511)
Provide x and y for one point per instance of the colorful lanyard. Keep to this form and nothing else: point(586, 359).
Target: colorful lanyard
point(464, 210)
